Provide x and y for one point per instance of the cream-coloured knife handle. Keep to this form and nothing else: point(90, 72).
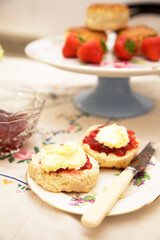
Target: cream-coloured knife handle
point(103, 204)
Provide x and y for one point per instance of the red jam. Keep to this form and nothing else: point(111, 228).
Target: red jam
point(99, 147)
point(12, 129)
point(86, 166)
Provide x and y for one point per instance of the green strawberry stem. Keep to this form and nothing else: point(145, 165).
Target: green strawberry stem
point(103, 45)
point(130, 46)
point(81, 39)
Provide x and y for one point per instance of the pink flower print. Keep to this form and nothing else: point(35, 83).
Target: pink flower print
point(122, 64)
point(140, 178)
point(23, 155)
point(70, 128)
point(79, 201)
point(116, 64)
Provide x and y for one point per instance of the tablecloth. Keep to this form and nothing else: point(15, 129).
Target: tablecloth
point(23, 215)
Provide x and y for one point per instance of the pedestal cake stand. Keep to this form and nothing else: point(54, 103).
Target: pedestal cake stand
point(113, 95)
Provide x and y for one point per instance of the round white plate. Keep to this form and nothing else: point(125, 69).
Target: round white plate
point(142, 191)
point(49, 50)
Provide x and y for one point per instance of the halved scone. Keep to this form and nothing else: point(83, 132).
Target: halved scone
point(117, 148)
point(64, 168)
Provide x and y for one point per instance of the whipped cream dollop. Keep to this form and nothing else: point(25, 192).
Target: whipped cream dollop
point(113, 136)
point(66, 156)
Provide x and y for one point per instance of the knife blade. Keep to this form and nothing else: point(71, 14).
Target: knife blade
point(104, 203)
point(142, 159)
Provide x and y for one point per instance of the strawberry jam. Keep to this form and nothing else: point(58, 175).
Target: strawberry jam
point(86, 166)
point(13, 130)
point(100, 147)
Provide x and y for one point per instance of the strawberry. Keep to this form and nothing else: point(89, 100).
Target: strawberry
point(90, 52)
point(151, 48)
point(101, 45)
point(71, 46)
point(125, 48)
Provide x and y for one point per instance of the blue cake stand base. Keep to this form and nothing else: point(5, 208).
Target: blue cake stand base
point(113, 97)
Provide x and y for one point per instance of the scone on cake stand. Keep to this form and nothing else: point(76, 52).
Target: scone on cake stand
point(112, 96)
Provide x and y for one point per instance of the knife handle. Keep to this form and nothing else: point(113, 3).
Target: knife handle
point(103, 204)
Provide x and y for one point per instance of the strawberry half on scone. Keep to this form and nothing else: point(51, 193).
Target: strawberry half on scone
point(65, 167)
point(111, 145)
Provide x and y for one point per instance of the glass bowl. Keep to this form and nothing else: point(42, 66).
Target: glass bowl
point(20, 108)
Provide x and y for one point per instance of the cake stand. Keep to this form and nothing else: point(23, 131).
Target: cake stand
point(113, 95)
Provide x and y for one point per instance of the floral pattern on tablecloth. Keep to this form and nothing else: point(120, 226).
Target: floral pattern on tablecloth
point(20, 185)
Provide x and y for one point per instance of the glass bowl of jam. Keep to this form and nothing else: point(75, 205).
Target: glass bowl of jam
point(20, 108)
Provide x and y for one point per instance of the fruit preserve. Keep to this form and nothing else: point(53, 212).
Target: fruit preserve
point(86, 166)
point(100, 147)
point(12, 127)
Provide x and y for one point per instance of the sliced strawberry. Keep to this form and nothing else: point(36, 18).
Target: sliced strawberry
point(90, 52)
point(151, 48)
point(71, 46)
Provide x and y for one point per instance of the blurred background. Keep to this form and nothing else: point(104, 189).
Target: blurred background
point(22, 21)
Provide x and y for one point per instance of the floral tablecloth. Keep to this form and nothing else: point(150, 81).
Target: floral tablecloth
point(23, 215)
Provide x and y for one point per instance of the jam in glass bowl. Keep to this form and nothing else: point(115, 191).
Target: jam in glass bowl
point(20, 108)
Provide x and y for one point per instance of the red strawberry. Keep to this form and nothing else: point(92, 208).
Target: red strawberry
point(125, 48)
point(90, 52)
point(101, 44)
point(151, 48)
point(71, 46)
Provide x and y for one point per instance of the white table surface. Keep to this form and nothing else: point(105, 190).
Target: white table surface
point(23, 215)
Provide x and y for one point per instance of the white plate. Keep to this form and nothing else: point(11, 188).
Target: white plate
point(49, 50)
point(138, 194)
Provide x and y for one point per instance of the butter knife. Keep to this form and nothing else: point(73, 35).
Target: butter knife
point(104, 203)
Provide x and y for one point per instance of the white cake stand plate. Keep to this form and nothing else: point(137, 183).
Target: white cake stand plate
point(113, 96)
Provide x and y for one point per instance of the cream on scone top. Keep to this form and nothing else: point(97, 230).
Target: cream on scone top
point(64, 156)
point(113, 136)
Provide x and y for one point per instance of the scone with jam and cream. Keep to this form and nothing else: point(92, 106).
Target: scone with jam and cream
point(111, 145)
point(64, 167)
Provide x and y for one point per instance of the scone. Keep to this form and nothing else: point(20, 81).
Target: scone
point(64, 168)
point(87, 34)
point(111, 145)
point(137, 33)
point(104, 16)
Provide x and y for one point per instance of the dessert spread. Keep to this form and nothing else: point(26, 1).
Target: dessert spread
point(65, 167)
point(110, 145)
point(111, 139)
point(100, 17)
